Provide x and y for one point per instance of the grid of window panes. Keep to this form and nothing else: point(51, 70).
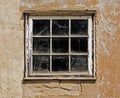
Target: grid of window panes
point(60, 45)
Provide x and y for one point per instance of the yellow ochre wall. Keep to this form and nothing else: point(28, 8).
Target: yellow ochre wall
point(107, 47)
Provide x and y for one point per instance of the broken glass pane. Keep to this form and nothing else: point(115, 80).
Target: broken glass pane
point(60, 45)
point(79, 44)
point(41, 63)
point(41, 27)
point(60, 63)
point(60, 27)
point(79, 27)
point(41, 45)
point(79, 63)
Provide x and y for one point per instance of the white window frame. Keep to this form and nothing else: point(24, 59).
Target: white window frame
point(29, 74)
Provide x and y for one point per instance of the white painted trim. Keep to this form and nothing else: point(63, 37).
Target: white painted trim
point(26, 45)
point(29, 35)
point(59, 17)
point(94, 53)
point(30, 45)
point(88, 78)
point(90, 45)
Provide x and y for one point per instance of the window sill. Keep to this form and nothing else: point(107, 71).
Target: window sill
point(82, 78)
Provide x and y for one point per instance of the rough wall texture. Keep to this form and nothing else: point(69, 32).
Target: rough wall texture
point(12, 51)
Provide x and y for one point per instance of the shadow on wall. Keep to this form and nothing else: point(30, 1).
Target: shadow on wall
point(59, 81)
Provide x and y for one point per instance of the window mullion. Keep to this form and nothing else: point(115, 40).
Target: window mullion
point(50, 45)
point(69, 45)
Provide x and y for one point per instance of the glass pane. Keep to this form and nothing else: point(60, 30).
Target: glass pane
point(41, 63)
point(41, 45)
point(79, 45)
point(79, 63)
point(60, 27)
point(60, 45)
point(79, 27)
point(41, 27)
point(60, 63)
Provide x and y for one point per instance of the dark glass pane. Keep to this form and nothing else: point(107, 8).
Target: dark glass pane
point(41, 45)
point(60, 27)
point(41, 27)
point(79, 27)
point(60, 63)
point(79, 45)
point(41, 63)
point(60, 45)
point(79, 63)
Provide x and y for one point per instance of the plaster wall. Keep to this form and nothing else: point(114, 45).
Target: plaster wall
point(107, 44)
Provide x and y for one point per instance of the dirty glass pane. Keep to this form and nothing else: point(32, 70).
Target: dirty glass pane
point(41, 27)
point(79, 63)
point(79, 44)
point(41, 45)
point(60, 27)
point(41, 63)
point(79, 27)
point(60, 63)
point(60, 45)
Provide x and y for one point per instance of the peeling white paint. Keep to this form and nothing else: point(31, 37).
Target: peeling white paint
point(101, 95)
point(30, 4)
point(46, 2)
point(80, 5)
point(105, 47)
point(27, 4)
point(65, 6)
point(108, 25)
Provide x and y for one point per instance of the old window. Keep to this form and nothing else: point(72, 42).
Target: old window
point(59, 47)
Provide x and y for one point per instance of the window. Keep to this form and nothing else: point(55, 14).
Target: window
point(59, 47)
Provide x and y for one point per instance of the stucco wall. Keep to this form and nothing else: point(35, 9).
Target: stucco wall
point(107, 55)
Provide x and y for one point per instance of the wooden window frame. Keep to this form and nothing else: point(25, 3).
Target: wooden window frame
point(30, 75)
